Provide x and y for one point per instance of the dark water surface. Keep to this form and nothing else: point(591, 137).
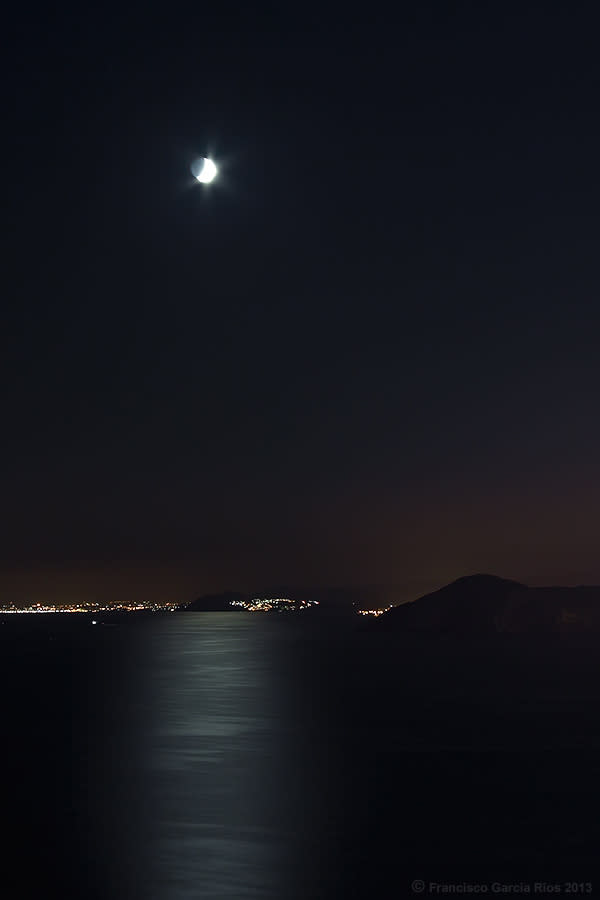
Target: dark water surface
point(223, 755)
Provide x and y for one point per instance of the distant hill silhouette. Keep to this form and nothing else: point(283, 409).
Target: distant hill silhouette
point(332, 601)
point(215, 602)
point(471, 603)
point(487, 604)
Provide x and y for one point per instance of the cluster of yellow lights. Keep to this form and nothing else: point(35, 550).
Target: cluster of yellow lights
point(280, 604)
point(86, 608)
point(373, 612)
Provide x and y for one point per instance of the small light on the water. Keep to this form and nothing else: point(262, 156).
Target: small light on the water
point(94, 622)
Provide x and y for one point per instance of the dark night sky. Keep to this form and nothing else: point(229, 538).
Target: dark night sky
point(367, 353)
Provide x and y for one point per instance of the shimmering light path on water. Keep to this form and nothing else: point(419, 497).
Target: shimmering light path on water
point(224, 756)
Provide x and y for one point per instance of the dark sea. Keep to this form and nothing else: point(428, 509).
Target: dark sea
point(226, 756)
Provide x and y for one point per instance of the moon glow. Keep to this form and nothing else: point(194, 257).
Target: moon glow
point(204, 170)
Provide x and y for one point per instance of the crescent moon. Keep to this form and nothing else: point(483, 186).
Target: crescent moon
point(204, 170)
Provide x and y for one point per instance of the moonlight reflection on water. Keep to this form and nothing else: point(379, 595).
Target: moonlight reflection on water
point(221, 755)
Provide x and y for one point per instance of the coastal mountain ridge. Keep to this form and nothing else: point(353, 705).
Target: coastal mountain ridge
point(488, 603)
point(479, 603)
point(335, 601)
